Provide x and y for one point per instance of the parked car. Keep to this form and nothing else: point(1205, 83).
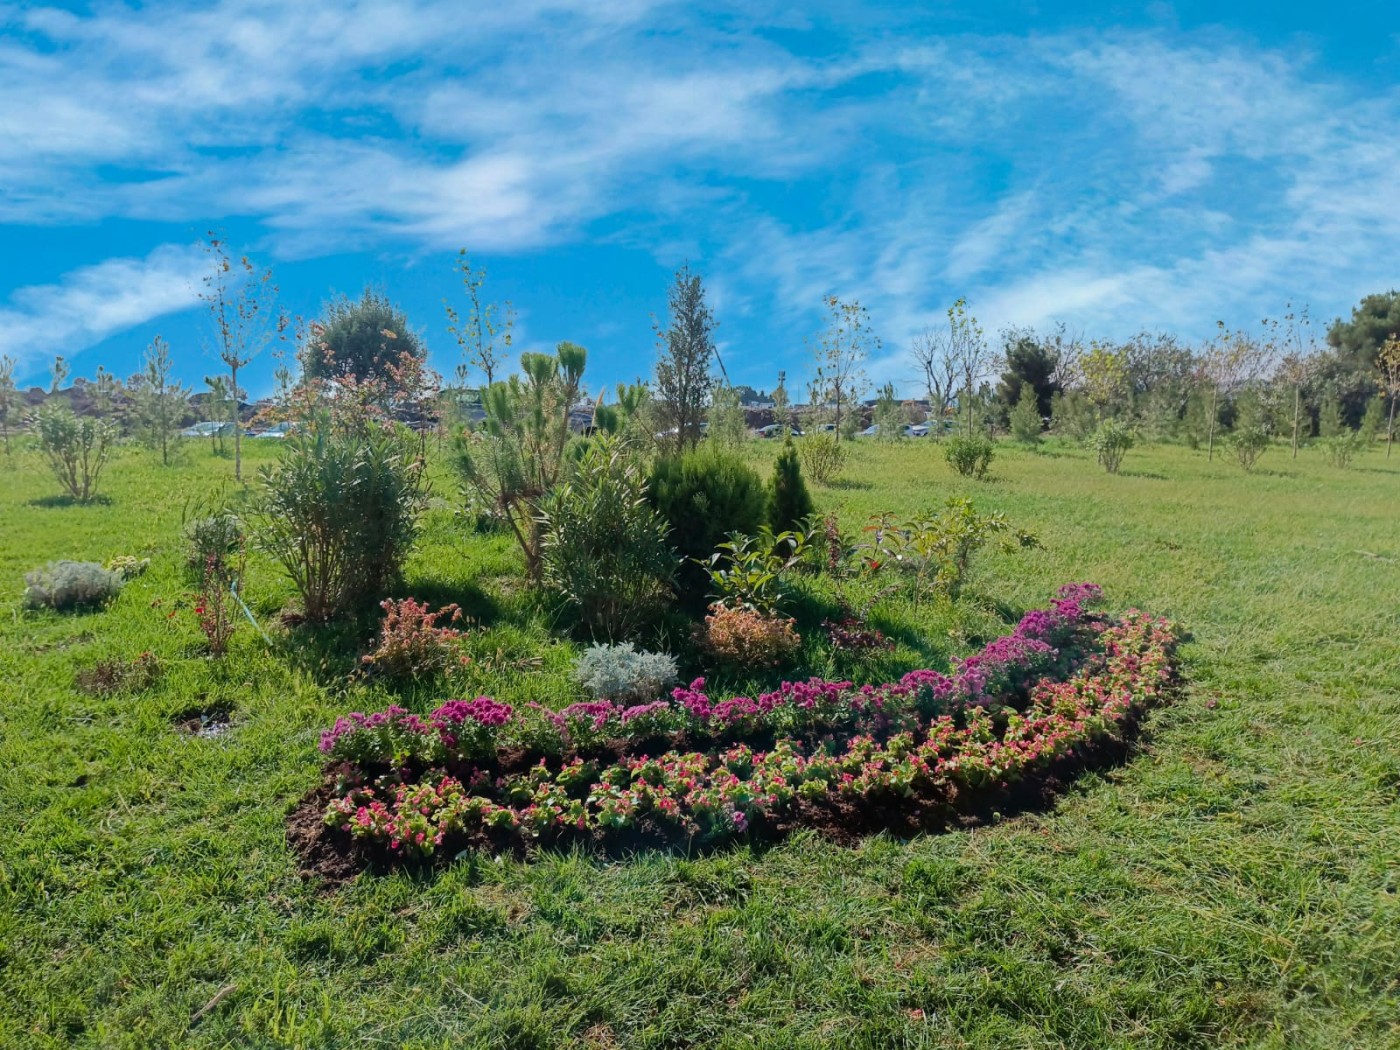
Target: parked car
point(276, 431)
point(773, 430)
point(908, 430)
point(209, 428)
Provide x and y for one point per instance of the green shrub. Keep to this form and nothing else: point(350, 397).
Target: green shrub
point(77, 448)
point(1340, 448)
point(747, 571)
point(65, 585)
point(604, 546)
point(823, 456)
point(1249, 443)
point(704, 495)
point(937, 550)
point(789, 502)
point(1025, 417)
point(969, 454)
point(339, 511)
point(1111, 441)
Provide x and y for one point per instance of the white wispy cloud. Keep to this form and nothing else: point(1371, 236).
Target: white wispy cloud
point(89, 304)
point(1108, 179)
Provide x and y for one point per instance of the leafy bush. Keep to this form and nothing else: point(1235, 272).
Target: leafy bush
point(823, 456)
point(1342, 447)
point(76, 447)
point(621, 672)
point(938, 550)
point(1111, 442)
point(747, 571)
point(969, 454)
point(1249, 443)
point(339, 512)
point(412, 643)
point(789, 502)
point(604, 545)
point(65, 585)
point(746, 638)
point(704, 495)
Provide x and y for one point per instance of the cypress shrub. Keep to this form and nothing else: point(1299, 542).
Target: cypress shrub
point(789, 502)
point(704, 495)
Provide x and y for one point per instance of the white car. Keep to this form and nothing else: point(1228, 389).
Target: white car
point(209, 428)
point(276, 431)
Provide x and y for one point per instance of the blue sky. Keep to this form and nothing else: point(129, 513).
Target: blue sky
point(1112, 166)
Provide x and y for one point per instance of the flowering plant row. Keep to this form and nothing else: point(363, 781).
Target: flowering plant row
point(729, 790)
point(1046, 642)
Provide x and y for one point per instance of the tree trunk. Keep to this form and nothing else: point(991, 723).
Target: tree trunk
point(1297, 408)
point(1390, 427)
point(1210, 423)
point(237, 448)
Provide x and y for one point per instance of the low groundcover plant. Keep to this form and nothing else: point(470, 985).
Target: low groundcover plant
point(1064, 679)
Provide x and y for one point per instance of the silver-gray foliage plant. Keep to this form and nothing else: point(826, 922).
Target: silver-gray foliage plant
point(622, 672)
point(64, 585)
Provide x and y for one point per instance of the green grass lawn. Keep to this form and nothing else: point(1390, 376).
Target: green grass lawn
point(1237, 883)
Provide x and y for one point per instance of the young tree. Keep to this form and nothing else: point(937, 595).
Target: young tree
point(9, 397)
point(932, 352)
point(518, 454)
point(889, 417)
point(1026, 418)
point(1104, 371)
point(966, 351)
point(242, 302)
point(789, 502)
point(1373, 322)
point(1232, 361)
point(485, 336)
point(1388, 361)
point(1296, 340)
point(782, 405)
point(217, 409)
point(726, 417)
point(685, 347)
point(59, 372)
point(366, 339)
point(160, 401)
point(841, 353)
point(1027, 361)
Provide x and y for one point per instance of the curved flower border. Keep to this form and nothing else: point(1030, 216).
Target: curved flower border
point(935, 737)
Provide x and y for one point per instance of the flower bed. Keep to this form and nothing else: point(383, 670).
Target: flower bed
point(1047, 642)
point(480, 773)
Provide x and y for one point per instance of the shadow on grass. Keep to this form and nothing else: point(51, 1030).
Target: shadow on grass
point(1148, 474)
point(475, 603)
point(69, 501)
point(848, 484)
